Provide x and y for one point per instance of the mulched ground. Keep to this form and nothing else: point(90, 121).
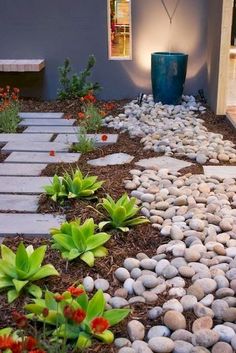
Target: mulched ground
point(140, 239)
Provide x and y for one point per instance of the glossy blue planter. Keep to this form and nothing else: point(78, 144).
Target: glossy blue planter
point(168, 76)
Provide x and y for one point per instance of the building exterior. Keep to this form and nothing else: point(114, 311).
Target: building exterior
point(56, 29)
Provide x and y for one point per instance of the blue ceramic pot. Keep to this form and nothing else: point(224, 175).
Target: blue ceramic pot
point(168, 76)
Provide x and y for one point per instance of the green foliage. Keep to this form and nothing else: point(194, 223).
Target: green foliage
point(73, 185)
point(17, 271)
point(73, 85)
point(121, 213)
point(93, 119)
point(84, 144)
point(9, 118)
point(79, 240)
point(95, 319)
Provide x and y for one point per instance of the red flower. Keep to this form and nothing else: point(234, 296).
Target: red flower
point(75, 291)
point(90, 98)
point(30, 343)
point(79, 316)
point(104, 137)
point(6, 342)
point(45, 312)
point(20, 319)
point(81, 115)
point(99, 324)
point(52, 153)
point(58, 297)
point(68, 312)
point(16, 347)
point(16, 90)
point(37, 351)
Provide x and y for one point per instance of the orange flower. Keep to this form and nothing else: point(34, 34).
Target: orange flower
point(20, 319)
point(89, 98)
point(52, 153)
point(6, 342)
point(75, 291)
point(58, 297)
point(79, 316)
point(104, 137)
point(68, 312)
point(81, 115)
point(99, 324)
point(103, 113)
point(30, 343)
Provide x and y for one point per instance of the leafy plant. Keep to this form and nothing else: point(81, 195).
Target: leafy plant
point(79, 240)
point(18, 271)
point(9, 109)
point(73, 185)
point(121, 213)
point(73, 85)
point(77, 318)
point(93, 118)
point(84, 144)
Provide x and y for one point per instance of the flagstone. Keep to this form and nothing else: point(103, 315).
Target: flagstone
point(111, 159)
point(51, 130)
point(170, 163)
point(41, 115)
point(35, 147)
point(28, 224)
point(23, 185)
point(98, 138)
point(4, 138)
point(46, 122)
point(21, 169)
point(220, 171)
point(18, 203)
point(42, 157)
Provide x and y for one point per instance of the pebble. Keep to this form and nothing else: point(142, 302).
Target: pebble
point(102, 284)
point(88, 284)
point(131, 263)
point(174, 320)
point(205, 338)
point(161, 345)
point(122, 274)
point(182, 347)
point(202, 323)
point(136, 330)
point(118, 302)
point(122, 342)
point(222, 347)
point(155, 312)
point(158, 331)
point(226, 333)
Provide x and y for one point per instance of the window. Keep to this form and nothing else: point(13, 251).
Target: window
point(119, 29)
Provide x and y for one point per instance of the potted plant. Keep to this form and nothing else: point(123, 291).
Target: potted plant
point(168, 71)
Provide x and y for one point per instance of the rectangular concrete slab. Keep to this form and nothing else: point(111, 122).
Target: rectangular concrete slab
point(4, 138)
point(35, 147)
point(42, 157)
point(21, 169)
point(99, 139)
point(19, 203)
point(23, 185)
point(157, 163)
point(222, 172)
point(46, 122)
point(51, 130)
point(28, 224)
point(41, 115)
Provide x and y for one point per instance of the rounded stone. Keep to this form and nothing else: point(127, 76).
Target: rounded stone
point(155, 312)
point(182, 335)
point(200, 349)
point(138, 287)
point(150, 297)
point(207, 284)
point(136, 273)
point(121, 292)
point(118, 302)
point(148, 264)
point(141, 346)
point(169, 271)
point(149, 281)
point(197, 224)
point(201, 310)
point(102, 284)
point(188, 302)
point(136, 330)
point(226, 333)
point(222, 347)
point(122, 274)
point(126, 350)
point(122, 342)
point(229, 314)
point(158, 331)
point(205, 338)
point(174, 320)
point(219, 307)
point(131, 263)
point(183, 347)
point(191, 255)
point(161, 345)
point(196, 290)
point(202, 323)
point(172, 304)
point(129, 285)
point(186, 271)
point(233, 342)
point(88, 284)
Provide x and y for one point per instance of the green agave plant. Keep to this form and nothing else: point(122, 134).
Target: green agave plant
point(121, 213)
point(65, 327)
point(80, 240)
point(18, 271)
point(73, 185)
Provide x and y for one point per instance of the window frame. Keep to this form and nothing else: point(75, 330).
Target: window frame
point(118, 58)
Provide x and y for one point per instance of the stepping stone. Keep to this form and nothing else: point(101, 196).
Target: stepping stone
point(19, 203)
point(28, 224)
point(173, 164)
point(42, 157)
point(73, 138)
point(21, 169)
point(35, 147)
point(4, 138)
point(23, 185)
point(41, 115)
point(222, 172)
point(51, 130)
point(46, 122)
point(111, 159)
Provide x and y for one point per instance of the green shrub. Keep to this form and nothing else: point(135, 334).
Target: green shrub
point(93, 118)
point(84, 144)
point(73, 85)
point(9, 109)
point(80, 240)
point(122, 213)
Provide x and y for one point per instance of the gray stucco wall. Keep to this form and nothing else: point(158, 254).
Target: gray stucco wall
point(55, 29)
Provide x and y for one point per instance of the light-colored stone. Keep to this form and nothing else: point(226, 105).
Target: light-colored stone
point(172, 164)
point(21, 169)
point(35, 147)
point(97, 138)
point(14, 137)
point(111, 159)
point(41, 115)
point(161, 344)
point(46, 122)
point(51, 130)
point(136, 330)
point(18, 203)
point(23, 185)
point(42, 157)
point(220, 171)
